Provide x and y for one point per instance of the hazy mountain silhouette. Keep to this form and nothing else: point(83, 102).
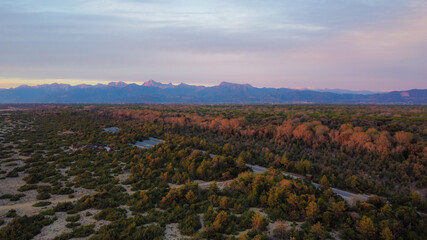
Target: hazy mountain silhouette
point(155, 92)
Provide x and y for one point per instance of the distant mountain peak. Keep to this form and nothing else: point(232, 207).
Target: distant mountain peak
point(24, 86)
point(117, 84)
point(152, 83)
point(56, 86)
point(228, 84)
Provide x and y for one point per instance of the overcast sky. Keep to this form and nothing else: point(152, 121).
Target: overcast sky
point(350, 44)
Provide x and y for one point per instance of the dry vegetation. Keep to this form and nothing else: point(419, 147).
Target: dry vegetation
point(171, 191)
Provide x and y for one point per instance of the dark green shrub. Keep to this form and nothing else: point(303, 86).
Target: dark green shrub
point(43, 196)
point(190, 225)
point(42, 204)
point(73, 218)
point(24, 227)
point(11, 213)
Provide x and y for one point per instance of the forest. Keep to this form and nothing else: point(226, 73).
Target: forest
point(63, 176)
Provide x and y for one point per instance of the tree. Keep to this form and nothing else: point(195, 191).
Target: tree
point(366, 227)
point(143, 196)
point(403, 138)
point(284, 160)
point(191, 197)
point(415, 198)
point(223, 203)
point(241, 162)
point(337, 209)
point(221, 221)
point(281, 230)
point(324, 181)
point(190, 224)
point(386, 234)
point(303, 166)
point(312, 211)
point(259, 223)
point(318, 231)
point(210, 214)
point(386, 211)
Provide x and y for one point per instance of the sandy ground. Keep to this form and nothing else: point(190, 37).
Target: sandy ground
point(203, 184)
point(172, 185)
point(26, 208)
point(54, 229)
point(123, 177)
point(10, 186)
point(128, 189)
point(87, 220)
point(63, 171)
point(66, 133)
point(259, 210)
point(128, 211)
point(272, 226)
point(58, 227)
point(24, 205)
point(202, 222)
point(172, 232)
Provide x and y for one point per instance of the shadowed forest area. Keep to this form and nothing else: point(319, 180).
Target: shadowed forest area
point(63, 176)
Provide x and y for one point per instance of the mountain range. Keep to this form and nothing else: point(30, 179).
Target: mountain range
point(155, 92)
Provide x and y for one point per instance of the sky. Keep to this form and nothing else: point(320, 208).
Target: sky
point(374, 45)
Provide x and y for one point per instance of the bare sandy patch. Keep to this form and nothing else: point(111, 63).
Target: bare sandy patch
point(129, 189)
point(172, 185)
point(172, 232)
point(259, 210)
point(124, 176)
point(54, 229)
point(202, 222)
point(10, 185)
point(205, 185)
point(24, 206)
point(87, 220)
point(128, 211)
point(63, 171)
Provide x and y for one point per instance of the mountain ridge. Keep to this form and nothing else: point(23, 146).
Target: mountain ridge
point(224, 93)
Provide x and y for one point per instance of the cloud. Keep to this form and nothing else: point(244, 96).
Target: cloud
point(391, 55)
point(356, 44)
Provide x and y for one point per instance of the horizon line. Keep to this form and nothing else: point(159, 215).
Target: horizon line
point(78, 82)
